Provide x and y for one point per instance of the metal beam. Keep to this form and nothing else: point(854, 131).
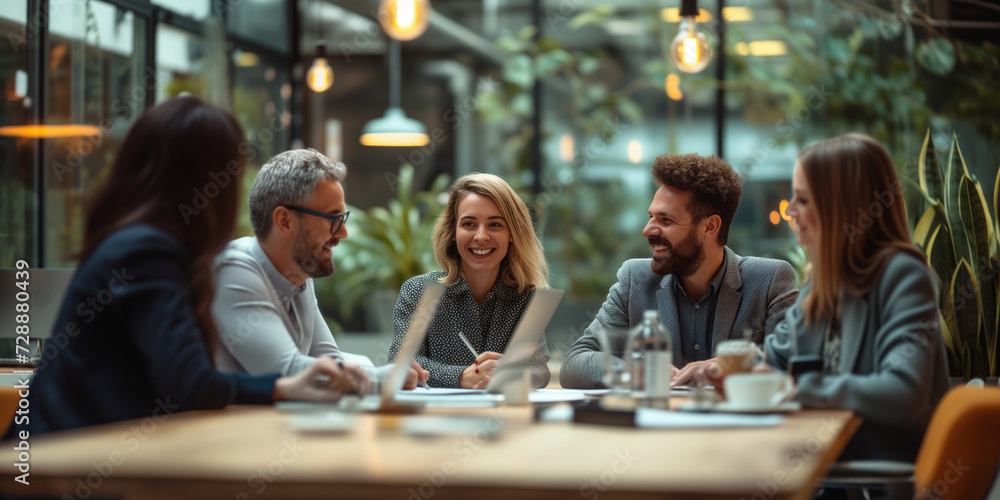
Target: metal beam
point(38, 57)
point(439, 25)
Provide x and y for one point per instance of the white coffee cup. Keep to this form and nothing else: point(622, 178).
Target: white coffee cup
point(757, 390)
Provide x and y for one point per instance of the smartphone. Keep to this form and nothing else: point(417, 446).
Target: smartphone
point(799, 364)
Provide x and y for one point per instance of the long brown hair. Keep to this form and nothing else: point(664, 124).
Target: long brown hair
point(524, 266)
point(862, 219)
point(178, 170)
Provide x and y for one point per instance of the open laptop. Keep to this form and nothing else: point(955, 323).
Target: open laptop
point(384, 400)
point(517, 357)
point(394, 381)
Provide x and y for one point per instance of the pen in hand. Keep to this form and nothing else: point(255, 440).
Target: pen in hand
point(468, 344)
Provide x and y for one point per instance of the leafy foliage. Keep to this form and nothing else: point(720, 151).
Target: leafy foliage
point(959, 236)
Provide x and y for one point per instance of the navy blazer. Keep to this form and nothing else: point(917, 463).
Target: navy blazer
point(126, 345)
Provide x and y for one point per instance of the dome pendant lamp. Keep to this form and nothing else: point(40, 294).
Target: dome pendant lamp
point(394, 129)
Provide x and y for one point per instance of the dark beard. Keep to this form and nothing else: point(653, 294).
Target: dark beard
point(313, 263)
point(683, 261)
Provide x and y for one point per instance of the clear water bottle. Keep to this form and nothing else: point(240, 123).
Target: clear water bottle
point(649, 356)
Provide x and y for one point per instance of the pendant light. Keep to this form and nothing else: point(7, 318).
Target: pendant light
point(394, 129)
point(319, 78)
point(404, 19)
point(690, 50)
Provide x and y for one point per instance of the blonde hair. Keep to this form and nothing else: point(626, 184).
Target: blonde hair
point(524, 266)
point(862, 219)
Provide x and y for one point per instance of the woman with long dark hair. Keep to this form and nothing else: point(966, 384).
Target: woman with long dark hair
point(137, 312)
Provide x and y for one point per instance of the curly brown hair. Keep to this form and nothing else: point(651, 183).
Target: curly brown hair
point(717, 188)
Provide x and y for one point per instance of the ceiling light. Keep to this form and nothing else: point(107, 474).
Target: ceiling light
point(690, 50)
point(404, 19)
point(394, 129)
point(320, 74)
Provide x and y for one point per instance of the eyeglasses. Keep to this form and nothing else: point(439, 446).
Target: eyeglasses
point(336, 221)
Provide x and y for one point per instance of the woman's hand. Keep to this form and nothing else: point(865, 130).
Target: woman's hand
point(477, 374)
point(416, 376)
point(326, 380)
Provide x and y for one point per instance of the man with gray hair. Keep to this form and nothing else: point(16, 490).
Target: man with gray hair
point(265, 303)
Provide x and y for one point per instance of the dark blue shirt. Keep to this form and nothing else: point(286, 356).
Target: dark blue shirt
point(126, 345)
point(697, 317)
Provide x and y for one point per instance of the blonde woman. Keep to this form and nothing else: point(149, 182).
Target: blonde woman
point(492, 262)
point(868, 309)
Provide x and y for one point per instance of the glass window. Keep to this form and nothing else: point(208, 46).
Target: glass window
point(196, 9)
point(180, 63)
point(261, 21)
point(17, 211)
point(95, 80)
point(262, 104)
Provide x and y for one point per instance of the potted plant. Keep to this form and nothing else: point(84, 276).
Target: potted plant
point(959, 236)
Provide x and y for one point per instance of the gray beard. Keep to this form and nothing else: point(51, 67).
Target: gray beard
point(315, 266)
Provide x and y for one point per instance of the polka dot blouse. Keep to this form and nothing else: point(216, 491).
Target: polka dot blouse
point(488, 327)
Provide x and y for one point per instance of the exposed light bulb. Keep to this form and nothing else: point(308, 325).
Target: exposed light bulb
point(690, 49)
point(634, 151)
point(673, 87)
point(320, 74)
point(566, 152)
point(404, 19)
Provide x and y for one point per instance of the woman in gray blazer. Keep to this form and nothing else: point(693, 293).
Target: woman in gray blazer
point(869, 307)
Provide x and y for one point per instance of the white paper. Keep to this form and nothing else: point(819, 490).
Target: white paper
point(651, 418)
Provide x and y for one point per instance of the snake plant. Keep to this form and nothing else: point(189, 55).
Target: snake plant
point(959, 236)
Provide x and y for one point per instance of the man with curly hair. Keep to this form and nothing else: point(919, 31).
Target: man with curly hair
point(703, 291)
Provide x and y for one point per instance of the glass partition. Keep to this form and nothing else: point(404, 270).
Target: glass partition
point(17, 154)
point(95, 80)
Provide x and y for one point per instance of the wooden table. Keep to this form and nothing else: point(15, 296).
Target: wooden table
point(249, 453)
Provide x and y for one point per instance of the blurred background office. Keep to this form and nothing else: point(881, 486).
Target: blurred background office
point(568, 100)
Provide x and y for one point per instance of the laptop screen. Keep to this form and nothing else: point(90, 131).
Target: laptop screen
point(415, 334)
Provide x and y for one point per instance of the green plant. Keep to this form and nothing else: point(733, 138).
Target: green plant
point(959, 236)
point(385, 246)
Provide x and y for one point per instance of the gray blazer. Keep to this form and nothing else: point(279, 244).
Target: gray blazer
point(892, 360)
point(754, 294)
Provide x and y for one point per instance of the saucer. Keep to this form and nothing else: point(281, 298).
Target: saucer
point(786, 407)
point(324, 422)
